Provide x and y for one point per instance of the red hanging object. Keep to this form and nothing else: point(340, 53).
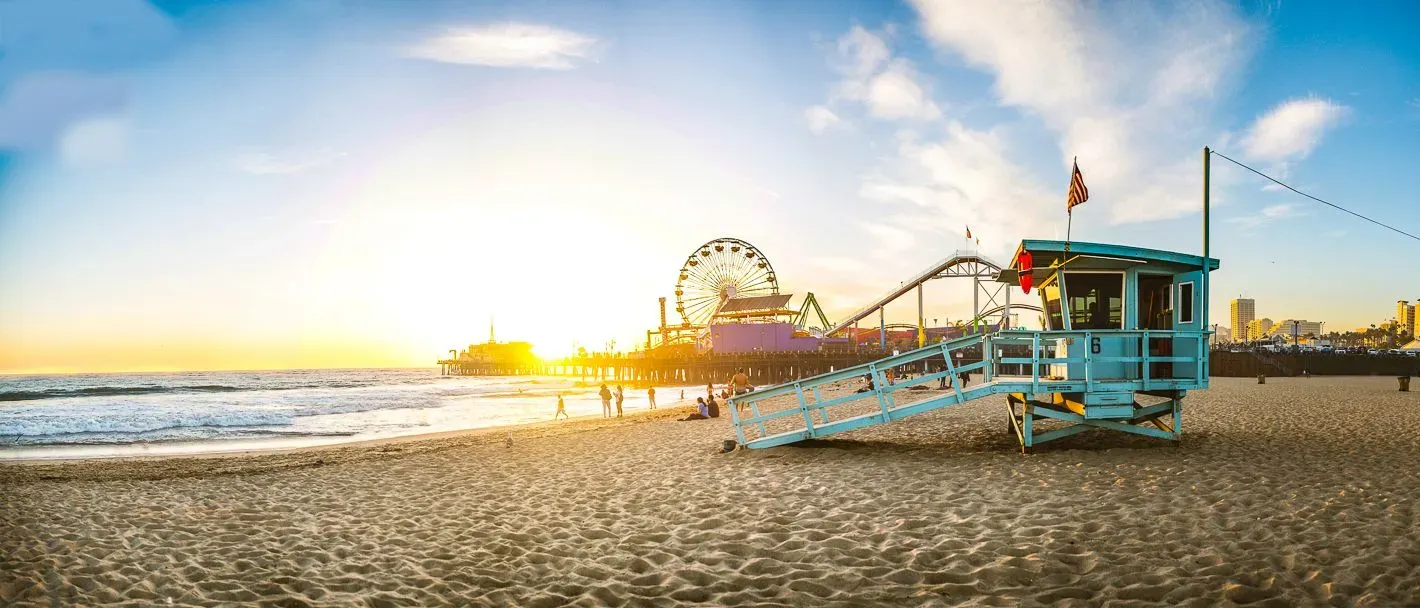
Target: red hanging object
point(1024, 263)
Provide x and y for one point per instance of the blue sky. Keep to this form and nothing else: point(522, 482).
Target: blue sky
point(347, 183)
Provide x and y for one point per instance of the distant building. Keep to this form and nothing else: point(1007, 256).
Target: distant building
point(1405, 315)
point(1304, 328)
point(1244, 310)
point(1258, 329)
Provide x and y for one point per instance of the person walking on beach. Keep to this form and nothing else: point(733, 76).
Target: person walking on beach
point(619, 397)
point(651, 396)
point(561, 409)
point(739, 383)
point(605, 394)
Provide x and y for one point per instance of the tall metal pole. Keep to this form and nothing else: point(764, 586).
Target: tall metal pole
point(921, 332)
point(882, 328)
point(1207, 264)
point(975, 304)
point(1207, 156)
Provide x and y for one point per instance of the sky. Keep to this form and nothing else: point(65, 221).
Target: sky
point(267, 184)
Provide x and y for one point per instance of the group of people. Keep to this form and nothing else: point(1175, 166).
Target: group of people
point(607, 396)
point(705, 407)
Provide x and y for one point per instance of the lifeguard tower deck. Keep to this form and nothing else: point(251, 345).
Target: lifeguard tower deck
point(1125, 339)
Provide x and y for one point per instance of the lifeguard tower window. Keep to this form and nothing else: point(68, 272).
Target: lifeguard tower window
point(1096, 300)
point(1185, 303)
point(1054, 318)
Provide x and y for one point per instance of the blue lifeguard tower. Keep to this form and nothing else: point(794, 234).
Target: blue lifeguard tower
point(1125, 338)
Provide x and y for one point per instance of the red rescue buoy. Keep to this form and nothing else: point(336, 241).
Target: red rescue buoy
point(1024, 263)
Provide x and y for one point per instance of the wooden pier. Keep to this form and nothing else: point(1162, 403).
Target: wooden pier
point(763, 368)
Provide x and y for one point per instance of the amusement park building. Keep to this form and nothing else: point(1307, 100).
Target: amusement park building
point(762, 337)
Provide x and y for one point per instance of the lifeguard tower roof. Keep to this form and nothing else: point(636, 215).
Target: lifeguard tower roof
point(1049, 256)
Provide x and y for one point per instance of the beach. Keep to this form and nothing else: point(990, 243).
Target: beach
point(1299, 491)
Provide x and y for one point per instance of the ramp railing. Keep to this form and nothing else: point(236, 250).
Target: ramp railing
point(1008, 361)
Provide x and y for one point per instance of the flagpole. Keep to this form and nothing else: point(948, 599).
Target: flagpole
point(1207, 267)
point(1070, 209)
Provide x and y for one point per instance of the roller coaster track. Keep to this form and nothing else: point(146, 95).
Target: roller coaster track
point(959, 264)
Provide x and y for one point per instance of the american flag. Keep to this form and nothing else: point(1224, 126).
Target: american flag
point(1078, 192)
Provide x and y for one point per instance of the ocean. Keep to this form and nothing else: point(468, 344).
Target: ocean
point(107, 415)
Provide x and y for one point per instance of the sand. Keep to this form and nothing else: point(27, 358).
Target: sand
point(1300, 491)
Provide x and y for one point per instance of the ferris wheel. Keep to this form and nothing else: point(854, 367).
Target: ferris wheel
point(717, 271)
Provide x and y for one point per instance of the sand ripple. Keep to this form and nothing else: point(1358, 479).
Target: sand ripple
point(1300, 491)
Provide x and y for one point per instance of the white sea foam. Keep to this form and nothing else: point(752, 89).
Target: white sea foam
point(132, 408)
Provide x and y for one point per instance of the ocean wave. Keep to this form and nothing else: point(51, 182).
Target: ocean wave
point(112, 391)
point(40, 426)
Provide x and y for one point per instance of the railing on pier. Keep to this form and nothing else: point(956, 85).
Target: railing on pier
point(1009, 361)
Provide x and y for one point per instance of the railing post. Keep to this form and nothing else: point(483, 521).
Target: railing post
point(1035, 363)
point(988, 355)
point(804, 409)
point(735, 418)
point(1198, 370)
point(878, 379)
point(1089, 364)
point(754, 409)
point(952, 371)
point(823, 411)
point(1144, 351)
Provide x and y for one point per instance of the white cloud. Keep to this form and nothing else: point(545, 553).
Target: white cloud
point(890, 88)
point(895, 94)
point(1126, 87)
point(864, 51)
point(965, 178)
point(290, 161)
point(1292, 129)
point(821, 119)
point(94, 141)
point(1267, 215)
point(508, 45)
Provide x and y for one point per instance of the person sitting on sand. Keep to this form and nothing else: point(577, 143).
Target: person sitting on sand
point(869, 387)
point(712, 409)
point(702, 411)
point(605, 394)
point(561, 409)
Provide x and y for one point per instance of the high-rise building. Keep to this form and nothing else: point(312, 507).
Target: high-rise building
point(1244, 310)
point(1405, 315)
point(1258, 329)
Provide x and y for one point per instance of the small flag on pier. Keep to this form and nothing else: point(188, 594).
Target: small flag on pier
point(1078, 192)
point(968, 232)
